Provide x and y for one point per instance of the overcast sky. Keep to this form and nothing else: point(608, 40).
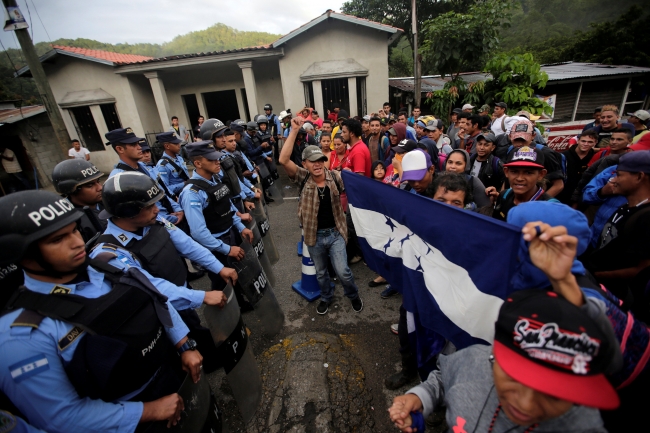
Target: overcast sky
point(158, 21)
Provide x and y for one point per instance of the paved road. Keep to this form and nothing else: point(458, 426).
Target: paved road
point(365, 351)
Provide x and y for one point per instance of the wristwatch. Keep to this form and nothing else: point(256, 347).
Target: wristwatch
point(188, 345)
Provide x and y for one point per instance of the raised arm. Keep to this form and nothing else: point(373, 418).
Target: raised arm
point(285, 155)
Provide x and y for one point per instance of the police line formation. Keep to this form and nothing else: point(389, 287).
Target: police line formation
point(93, 278)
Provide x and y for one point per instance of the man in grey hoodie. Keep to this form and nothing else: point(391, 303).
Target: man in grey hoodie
point(458, 162)
point(546, 370)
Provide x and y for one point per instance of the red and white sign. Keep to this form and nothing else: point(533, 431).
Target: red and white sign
point(561, 133)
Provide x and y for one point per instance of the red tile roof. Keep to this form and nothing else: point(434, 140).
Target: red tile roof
point(116, 58)
point(11, 115)
point(209, 53)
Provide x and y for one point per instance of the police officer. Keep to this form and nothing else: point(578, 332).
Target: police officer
point(210, 214)
point(138, 237)
point(78, 181)
point(147, 160)
point(128, 148)
point(227, 145)
point(256, 150)
point(14, 424)
point(171, 165)
point(82, 343)
point(239, 127)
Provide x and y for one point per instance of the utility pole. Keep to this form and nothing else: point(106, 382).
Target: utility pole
point(417, 88)
point(43, 87)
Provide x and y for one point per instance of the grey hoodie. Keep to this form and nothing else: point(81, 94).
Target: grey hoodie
point(478, 189)
point(465, 384)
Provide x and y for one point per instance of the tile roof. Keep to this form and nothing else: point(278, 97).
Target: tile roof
point(116, 58)
point(12, 115)
point(209, 53)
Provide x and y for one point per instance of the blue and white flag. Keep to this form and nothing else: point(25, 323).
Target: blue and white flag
point(452, 266)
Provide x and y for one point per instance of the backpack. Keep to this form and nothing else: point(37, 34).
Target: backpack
point(442, 160)
point(559, 157)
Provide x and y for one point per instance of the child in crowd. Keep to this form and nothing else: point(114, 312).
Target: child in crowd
point(378, 171)
point(484, 165)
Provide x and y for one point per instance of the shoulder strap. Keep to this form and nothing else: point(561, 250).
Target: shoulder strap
point(125, 167)
point(164, 161)
point(28, 318)
point(180, 171)
point(302, 184)
point(336, 182)
point(199, 184)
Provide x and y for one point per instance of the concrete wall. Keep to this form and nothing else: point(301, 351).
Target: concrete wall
point(145, 104)
point(336, 40)
point(269, 85)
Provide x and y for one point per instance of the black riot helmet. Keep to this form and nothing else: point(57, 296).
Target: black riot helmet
point(268, 107)
point(127, 193)
point(27, 216)
point(262, 119)
point(70, 174)
point(211, 127)
point(251, 126)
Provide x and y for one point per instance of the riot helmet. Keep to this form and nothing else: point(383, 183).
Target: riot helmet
point(28, 216)
point(70, 174)
point(210, 127)
point(262, 119)
point(127, 193)
point(268, 107)
point(251, 126)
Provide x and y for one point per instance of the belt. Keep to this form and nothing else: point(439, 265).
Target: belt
point(326, 232)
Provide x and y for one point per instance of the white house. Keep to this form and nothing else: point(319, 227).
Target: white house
point(333, 58)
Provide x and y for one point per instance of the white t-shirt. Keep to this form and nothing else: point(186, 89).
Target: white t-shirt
point(504, 120)
point(476, 168)
point(79, 155)
point(11, 166)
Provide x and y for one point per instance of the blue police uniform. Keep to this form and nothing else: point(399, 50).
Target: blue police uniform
point(181, 297)
point(14, 424)
point(170, 174)
point(33, 365)
point(193, 203)
point(249, 164)
point(143, 169)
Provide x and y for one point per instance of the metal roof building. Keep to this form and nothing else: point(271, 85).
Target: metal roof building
point(580, 87)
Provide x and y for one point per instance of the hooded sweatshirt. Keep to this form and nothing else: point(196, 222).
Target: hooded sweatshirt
point(475, 185)
point(400, 129)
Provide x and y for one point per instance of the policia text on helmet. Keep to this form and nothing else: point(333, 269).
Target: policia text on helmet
point(38, 230)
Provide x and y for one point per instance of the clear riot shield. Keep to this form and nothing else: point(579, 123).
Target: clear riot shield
point(259, 291)
point(260, 217)
point(230, 336)
point(262, 256)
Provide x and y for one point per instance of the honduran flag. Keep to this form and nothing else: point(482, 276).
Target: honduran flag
point(452, 266)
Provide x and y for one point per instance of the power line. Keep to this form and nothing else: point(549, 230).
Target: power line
point(39, 18)
point(30, 20)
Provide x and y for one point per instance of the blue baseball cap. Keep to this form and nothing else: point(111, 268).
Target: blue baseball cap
point(205, 149)
point(168, 137)
point(635, 162)
point(144, 146)
point(122, 136)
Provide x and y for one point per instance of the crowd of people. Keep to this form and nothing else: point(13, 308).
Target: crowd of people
point(94, 276)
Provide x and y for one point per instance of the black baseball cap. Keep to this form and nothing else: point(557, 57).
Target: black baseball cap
point(552, 346)
point(525, 156)
point(168, 137)
point(122, 136)
point(487, 137)
point(502, 105)
point(205, 149)
point(457, 110)
point(406, 146)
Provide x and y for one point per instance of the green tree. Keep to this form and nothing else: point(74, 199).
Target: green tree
point(456, 42)
point(514, 80)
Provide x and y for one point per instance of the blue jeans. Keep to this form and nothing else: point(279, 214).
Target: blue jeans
point(330, 243)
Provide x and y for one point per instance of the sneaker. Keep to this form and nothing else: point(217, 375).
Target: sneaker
point(388, 292)
point(323, 307)
point(357, 304)
point(394, 327)
point(355, 259)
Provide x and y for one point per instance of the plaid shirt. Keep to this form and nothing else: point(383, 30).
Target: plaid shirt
point(309, 204)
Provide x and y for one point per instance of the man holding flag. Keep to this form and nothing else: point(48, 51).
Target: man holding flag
point(322, 217)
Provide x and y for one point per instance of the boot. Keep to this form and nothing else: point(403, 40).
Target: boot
point(408, 373)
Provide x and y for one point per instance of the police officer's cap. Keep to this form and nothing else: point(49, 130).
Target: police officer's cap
point(268, 107)
point(27, 216)
point(168, 137)
point(127, 193)
point(205, 149)
point(212, 128)
point(251, 126)
point(144, 145)
point(121, 136)
point(70, 174)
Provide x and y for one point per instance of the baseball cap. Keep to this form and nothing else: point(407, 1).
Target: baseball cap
point(405, 146)
point(415, 165)
point(392, 131)
point(457, 110)
point(144, 146)
point(521, 129)
point(635, 162)
point(525, 157)
point(502, 105)
point(468, 107)
point(308, 126)
point(640, 114)
point(550, 345)
point(343, 114)
point(484, 107)
point(313, 154)
point(122, 135)
point(168, 137)
point(434, 125)
point(366, 118)
point(489, 137)
point(527, 115)
point(203, 148)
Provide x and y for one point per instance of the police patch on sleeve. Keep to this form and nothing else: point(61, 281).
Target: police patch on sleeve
point(167, 224)
point(29, 367)
point(195, 203)
point(7, 422)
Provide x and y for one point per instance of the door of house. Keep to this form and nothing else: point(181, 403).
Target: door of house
point(336, 91)
point(87, 129)
point(192, 108)
point(222, 105)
